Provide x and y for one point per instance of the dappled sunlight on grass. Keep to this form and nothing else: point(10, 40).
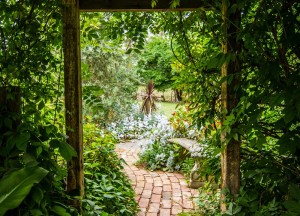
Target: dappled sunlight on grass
point(167, 108)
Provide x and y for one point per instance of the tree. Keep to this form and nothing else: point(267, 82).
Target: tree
point(109, 79)
point(155, 63)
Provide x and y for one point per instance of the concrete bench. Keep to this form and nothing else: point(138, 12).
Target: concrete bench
point(188, 144)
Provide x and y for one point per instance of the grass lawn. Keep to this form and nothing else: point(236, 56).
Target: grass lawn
point(166, 108)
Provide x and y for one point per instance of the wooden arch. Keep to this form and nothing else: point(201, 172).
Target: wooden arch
point(73, 89)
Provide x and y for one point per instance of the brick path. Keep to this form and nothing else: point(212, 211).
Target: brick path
point(157, 192)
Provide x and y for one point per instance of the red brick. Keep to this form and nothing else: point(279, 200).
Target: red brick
point(146, 194)
point(179, 175)
point(175, 186)
point(144, 202)
point(148, 186)
point(166, 195)
point(157, 190)
point(140, 184)
point(141, 214)
point(155, 198)
point(165, 212)
point(139, 190)
point(187, 204)
point(167, 188)
point(151, 214)
point(166, 181)
point(153, 174)
point(149, 179)
point(176, 193)
point(158, 183)
point(154, 208)
point(173, 179)
point(139, 178)
point(176, 209)
point(166, 204)
point(177, 200)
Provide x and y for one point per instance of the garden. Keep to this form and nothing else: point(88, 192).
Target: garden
point(225, 75)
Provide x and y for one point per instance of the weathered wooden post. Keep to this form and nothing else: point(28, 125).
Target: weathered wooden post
point(230, 157)
point(73, 100)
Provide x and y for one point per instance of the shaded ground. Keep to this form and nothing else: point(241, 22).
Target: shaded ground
point(158, 193)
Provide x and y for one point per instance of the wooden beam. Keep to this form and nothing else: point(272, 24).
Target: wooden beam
point(73, 100)
point(137, 5)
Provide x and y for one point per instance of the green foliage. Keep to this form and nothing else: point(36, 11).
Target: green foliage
point(109, 82)
point(159, 157)
point(108, 190)
point(181, 121)
point(155, 63)
point(15, 186)
point(30, 132)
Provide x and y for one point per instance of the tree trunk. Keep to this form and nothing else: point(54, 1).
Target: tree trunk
point(230, 157)
point(73, 100)
point(178, 95)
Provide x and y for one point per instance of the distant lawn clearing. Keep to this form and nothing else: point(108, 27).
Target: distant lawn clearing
point(166, 108)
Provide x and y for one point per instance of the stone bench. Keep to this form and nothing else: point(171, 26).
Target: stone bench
point(188, 144)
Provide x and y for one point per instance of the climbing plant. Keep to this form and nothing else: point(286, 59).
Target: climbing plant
point(33, 148)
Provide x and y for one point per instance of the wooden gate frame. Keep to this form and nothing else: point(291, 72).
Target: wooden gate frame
point(73, 89)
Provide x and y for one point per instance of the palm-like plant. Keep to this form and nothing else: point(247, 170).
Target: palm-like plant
point(149, 101)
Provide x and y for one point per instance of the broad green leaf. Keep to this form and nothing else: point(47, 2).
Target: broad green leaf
point(22, 140)
point(235, 136)
point(60, 210)
point(109, 196)
point(36, 212)
point(294, 192)
point(37, 195)
point(67, 151)
point(292, 206)
point(15, 186)
point(237, 210)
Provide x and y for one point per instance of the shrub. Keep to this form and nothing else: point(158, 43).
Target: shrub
point(108, 190)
